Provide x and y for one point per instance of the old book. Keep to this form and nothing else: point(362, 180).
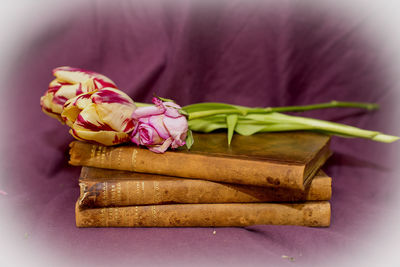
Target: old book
point(103, 188)
point(204, 215)
point(288, 159)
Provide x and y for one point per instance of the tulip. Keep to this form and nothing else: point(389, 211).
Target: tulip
point(102, 116)
point(160, 126)
point(97, 111)
point(69, 83)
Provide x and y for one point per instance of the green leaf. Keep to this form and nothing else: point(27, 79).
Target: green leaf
point(205, 126)
point(267, 118)
point(231, 121)
point(189, 139)
point(249, 129)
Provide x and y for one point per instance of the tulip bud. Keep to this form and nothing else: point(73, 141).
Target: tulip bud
point(69, 83)
point(102, 116)
point(160, 126)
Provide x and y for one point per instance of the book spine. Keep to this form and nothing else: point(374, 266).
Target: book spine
point(124, 192)
point(197, 166)
point(316, 214)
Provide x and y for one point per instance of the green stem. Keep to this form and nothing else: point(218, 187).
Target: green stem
point(327, 126)
point(246, 110)
point(332, 104)
point(139, 104)
point(207, 113)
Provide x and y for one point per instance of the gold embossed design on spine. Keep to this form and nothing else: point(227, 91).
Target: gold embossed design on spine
point(105, 194)
point(133, 160)
point(118, 159)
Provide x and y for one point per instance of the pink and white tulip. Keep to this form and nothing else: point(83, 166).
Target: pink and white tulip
point(69, 83)
point(103, 116)
point(160, 126)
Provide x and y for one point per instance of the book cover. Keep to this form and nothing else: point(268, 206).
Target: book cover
point(104, 188)
point(316, 214)
point(287, 159)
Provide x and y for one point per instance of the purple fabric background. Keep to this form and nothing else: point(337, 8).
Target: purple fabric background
point(256, 55)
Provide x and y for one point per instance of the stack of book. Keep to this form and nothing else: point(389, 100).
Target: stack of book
point(271, 178)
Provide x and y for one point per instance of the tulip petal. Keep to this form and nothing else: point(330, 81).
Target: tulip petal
point(45, 102)
point(149, 136)
point(177, 128)
point(107, 138)
point(156, 101)
point(83, 100)
point(59, 93)
point(103, 83)
point(74, 106)
point(89, 119)
point(144, 120)
point(53, 115)
point(136, 138)
point(118, 115)
point(76, 75)
point(172, 109)
point(110, 96)
point(56, 83)
point(128, 125)
point(157, 122)
point(64, 93)
point(147, 111)
point(161, 148)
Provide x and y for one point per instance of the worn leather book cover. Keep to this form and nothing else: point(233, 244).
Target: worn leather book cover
point(315, 213)
point(287, 159)
point(105, 188)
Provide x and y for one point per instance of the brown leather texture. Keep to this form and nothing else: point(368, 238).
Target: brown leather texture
point(289, 147)
point(316, 214)
point(104, 188)
point(287, 159)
